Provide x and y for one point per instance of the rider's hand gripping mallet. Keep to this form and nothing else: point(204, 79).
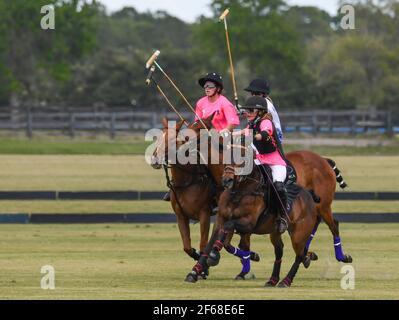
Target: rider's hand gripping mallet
point(223, 18)
point(152, 61)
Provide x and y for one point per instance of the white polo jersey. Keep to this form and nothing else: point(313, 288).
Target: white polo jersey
point(276, 119)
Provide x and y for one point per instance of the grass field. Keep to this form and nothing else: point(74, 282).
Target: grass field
point(129, 261)
point(157, 206)
point(98, 144)
point(146, 262)
point(123, 172)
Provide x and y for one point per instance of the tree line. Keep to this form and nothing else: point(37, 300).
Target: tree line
point(94, 58)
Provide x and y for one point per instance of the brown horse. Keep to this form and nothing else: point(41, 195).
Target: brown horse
point(193, 191)
point(321, 175)
point(243, 208)
point(313, 173)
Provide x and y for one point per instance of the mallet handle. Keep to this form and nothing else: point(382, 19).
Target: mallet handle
point(181, 94)
point(170, 103)
point(149, 76)
point(151, 61)
point(231, 67)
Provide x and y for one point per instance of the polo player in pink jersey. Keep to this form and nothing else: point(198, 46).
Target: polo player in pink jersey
point(267, 152)
point(225, 116)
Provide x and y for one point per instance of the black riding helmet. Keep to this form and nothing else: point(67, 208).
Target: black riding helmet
point(256, 102)
point(259, 85)
point(213, 77)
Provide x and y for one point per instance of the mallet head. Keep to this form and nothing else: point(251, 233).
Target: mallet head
point(224, 14)
point(150, 61)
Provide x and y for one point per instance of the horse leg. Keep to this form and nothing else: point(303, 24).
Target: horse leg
point(245, 242)
point(244, 247)
point(202, 264)
point(278, 244)
point(299, 237)
point(312, 256)
point(184, 228)
point(242, 252)
point(334, 228)
point(204, 229)
point(286, 282)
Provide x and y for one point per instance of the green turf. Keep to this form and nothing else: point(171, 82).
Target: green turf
point(89, 206)
point(122, 172)
point(159, 206)
point(67, 146)
point(146, 262)
point(135, 144)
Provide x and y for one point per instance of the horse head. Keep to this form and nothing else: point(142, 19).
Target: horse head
point(167, 138)
point(235, 173)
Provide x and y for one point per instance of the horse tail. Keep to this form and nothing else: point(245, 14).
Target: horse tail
point(315, 197)
point(338, 175)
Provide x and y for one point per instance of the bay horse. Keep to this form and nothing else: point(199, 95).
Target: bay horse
point(193, 191)
point(187, 183)
point(320, 175)
point(243, 208)
point(313, 173)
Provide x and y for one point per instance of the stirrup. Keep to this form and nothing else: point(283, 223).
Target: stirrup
point(282, 225)
point(166, 197)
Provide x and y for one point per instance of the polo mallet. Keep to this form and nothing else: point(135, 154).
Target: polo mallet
point(152, 61)
point(148, 82)
point(223, 18)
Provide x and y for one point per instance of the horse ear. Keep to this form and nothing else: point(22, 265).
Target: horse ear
point(165, 122)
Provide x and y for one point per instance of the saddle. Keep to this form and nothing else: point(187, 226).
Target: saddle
point(290, 184)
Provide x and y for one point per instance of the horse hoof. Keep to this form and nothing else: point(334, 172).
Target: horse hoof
point(306, 262)
point(213, 258)
point(286, 283)
point(255, 257)
point(192, 277)
point(348, 259)
point(313, 256)
point(272, 282)
point(245, 276)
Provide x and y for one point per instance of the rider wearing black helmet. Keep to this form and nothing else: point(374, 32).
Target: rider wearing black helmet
point(266, 146)
point(225, 118)
point(261, 87)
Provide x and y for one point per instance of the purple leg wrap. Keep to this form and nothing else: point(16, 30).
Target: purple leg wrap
point(311, 238)
point(246, 264)
point(339, 255)
point(238, 252)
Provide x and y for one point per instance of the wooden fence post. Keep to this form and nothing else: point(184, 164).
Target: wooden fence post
point(112, 126)
point(71, 125)
point(389, 127)
point(29, 123)
point(353, 124)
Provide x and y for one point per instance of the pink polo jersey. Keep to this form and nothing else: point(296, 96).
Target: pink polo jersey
point(225, 113)
point(273, 158)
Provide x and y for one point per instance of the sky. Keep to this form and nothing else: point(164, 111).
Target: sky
point(189, 10)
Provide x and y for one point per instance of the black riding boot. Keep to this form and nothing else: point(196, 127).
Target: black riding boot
point(281, 221)
point(166, 197)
